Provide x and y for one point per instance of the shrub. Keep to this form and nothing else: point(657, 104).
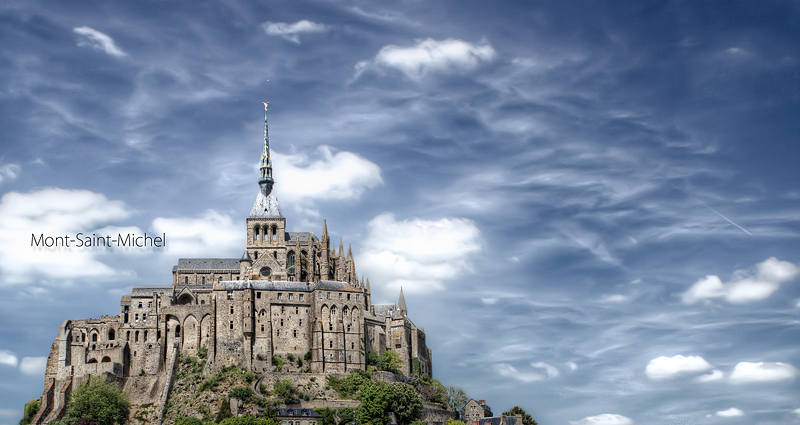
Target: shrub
point(188, 421)
point(224, 410)
point(277, 360)
point(99, 400)
point(31, 409)
point(374, 403)
point(290, 356)
point(307, 357)
point(250, 376)
point(248, 420)
point(285, 391)
point(202, 352)
point(390, 362)
point(328, 416)
point(260, 357)
point(242, 393)
point(348, 386)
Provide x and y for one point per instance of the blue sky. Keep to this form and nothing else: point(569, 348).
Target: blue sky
point(592, 207)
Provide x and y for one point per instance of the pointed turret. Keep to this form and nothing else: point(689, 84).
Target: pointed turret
point(401, 303)
point(325, 236)
point(349, 252)
point(341, 248)
point(368, 285)
point(266, 205)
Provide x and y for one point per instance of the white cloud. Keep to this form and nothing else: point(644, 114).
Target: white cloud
point(9, 172)
point(417, 254)
point(344, 175)
point(99, 41)
point(8, 358)
point(796, 412)
point(604, 419)
point(211, 235)
point(730, 413)
point(33, 365)
point(671, 367)
point(430, 55)
point(714, 376)
point(53, 212)
point(745, 286)
point(745, 372)
point(293, 31)
point(572, 366)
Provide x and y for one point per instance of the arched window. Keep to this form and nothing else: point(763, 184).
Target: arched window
point(256, 236)
point(275, 254)
point(177, 330)
point(255, 255)
point(111, 335)
point(137, 337)
point(94, 337)
point(274, 232)
point(290, 262)
point(186, 280)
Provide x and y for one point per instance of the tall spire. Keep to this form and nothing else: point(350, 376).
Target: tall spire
point(265, 180)
point(401, 303)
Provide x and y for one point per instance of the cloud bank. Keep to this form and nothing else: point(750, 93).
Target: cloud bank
point(418, 254)
point(745, 286)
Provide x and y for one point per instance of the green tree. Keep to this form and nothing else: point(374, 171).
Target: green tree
point(440, 391)
point(456, 398)
point(526, 418)
point(405, 402)
point(224, 410)
point(328, 416)
point(31, 409)
point(188, 421)
point(247, 420)
point(374, 403)
point(346, 415)
point(452, 421)
point(390, 362)
point(99, 400)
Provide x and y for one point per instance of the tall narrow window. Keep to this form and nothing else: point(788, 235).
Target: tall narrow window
point(290, 262)
point(186, 280)
point(204, 280)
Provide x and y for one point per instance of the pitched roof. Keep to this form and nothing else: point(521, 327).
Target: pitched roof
point(208, 264)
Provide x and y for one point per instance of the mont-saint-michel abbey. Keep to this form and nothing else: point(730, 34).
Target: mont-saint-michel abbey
point(291, 294)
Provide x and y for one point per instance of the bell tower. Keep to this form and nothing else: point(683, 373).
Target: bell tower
point(266, 225)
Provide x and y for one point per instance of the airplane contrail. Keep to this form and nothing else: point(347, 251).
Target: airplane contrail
point(717, 213)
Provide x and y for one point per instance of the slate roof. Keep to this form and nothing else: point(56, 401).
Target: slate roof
point(292, 236)
point(147, 291)
point(383, 309)
point(336, 286)
point(265, 206)
point(289, 412)
point(208, 264)
point(265, 285)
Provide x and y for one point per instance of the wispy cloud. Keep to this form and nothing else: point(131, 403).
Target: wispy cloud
point(747, 373)
point(9, 172)
point(604, 419)
point(99, 41)
point(33, 365)
point(745, 286)
point(292, 32)
point(509, 371)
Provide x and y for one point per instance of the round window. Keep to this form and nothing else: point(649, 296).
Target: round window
point(265, 271)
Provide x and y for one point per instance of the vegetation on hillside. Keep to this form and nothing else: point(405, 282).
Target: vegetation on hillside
point(97, 401)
